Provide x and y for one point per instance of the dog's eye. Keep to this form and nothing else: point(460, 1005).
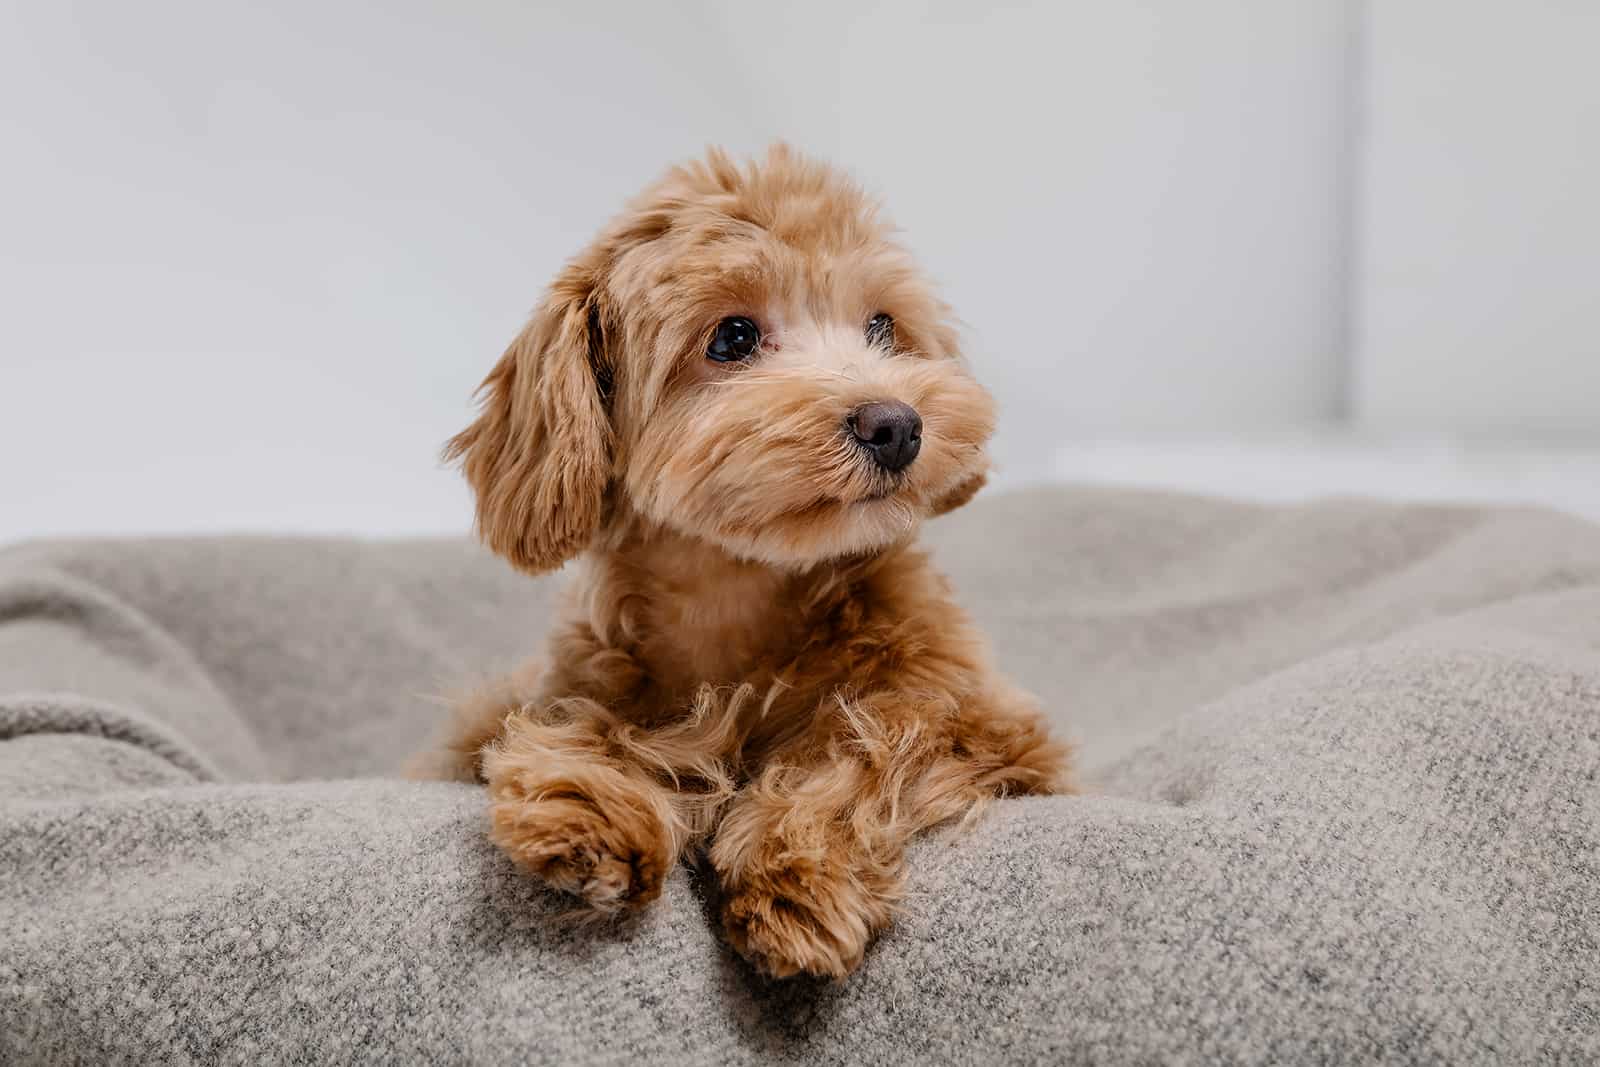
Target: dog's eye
point(736, 339)
point(880, 331)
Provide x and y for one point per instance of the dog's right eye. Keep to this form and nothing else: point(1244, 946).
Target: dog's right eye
point(880, 331)
point(736, 339)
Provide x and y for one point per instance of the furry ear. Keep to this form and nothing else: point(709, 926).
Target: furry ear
point(947, 342)
point(539, 455)
point(958, 496)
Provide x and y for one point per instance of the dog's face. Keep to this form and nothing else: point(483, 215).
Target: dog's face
point(744, 357)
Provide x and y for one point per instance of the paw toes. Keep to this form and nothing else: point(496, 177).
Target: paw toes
point(581, 852)
point(785, 932)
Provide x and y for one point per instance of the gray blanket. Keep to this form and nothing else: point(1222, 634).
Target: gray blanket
point(1343, 804)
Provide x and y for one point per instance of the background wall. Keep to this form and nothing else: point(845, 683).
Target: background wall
point(1138, 208)
point(262, 253)
point(259, 255)
point(1479, 289)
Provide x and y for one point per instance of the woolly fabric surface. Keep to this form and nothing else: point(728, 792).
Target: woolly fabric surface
point(1342, 804)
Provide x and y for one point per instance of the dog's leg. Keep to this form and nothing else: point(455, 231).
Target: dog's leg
point(579, 816)
point(601, 807)
point(809, 854)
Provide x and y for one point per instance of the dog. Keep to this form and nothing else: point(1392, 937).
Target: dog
point(737, 406)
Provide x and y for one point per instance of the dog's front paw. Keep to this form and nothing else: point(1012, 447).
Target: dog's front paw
point(606, 847)
point(802, 919)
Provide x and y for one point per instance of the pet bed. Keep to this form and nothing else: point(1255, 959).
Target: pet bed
point(1342, 803)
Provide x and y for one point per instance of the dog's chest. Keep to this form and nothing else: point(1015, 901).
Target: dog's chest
point(717, 636)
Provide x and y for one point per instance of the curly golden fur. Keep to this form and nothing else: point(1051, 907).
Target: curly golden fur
point(754, 659)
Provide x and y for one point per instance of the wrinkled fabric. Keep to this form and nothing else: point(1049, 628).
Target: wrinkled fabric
point(1341, 801)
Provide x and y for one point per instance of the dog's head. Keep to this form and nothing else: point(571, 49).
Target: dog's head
point(744, 356)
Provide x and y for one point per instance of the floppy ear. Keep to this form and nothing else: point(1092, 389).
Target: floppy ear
point(539, 455)
point(958, 496)
point(947, 341)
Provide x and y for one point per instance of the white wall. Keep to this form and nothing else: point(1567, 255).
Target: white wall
point(1137, 206)
point(1478, 305)
point(257, 255)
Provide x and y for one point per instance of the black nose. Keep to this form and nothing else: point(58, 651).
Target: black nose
point(889, 430)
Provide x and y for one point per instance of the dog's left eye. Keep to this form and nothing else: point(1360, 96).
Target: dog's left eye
point(880, 331)
point(736, 339)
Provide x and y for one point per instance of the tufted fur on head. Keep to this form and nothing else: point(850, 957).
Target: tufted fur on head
point(754, 657)
point(605, 407)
